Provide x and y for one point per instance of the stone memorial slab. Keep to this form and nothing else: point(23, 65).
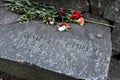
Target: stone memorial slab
point(80, 52)
point(6, 16)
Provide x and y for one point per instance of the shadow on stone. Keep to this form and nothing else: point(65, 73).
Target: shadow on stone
point(114, 71)
point(30, 72)
point(115, 55)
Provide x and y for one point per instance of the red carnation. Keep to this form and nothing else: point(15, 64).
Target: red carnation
point(62, 12)
point(76, 15)
point(63, 24)
point(68, 25)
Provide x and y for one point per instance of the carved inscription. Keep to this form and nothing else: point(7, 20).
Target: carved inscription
point(80, 45)
point(43, 42)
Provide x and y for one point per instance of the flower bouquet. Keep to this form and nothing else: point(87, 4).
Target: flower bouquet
point(62, 18)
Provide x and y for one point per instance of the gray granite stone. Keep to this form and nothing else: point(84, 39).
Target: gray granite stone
point(30, 72)
point(98, 6)
point(81, 5)
point(116, 37)
point(78, 52)
point(114, 71)
point(109, 9)
point(1, 2)
point(112, 11)
point(7, 17)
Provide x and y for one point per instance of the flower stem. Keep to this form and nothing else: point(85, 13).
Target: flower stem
point(100, 23)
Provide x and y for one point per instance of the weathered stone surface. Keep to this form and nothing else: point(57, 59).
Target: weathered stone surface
point(81, 5)
point(116, 37)
point(112, 11)
point(30, 72)
point(115, 54)
point(116, 41)
point(114, 71)
point(1, 2)
point(78, 52)
point(7, 17)
point(98, 6)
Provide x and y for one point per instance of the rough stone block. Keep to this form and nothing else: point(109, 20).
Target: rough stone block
point(81, 5)
point(83, 52)
point(112, 11)
point(114, 71)
point(30, 72)
point(7, 17)
point(98, 6)
point(79, 53)
point(116, 37)
point(109, 9)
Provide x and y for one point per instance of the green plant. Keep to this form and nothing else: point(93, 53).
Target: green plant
point(30, 10)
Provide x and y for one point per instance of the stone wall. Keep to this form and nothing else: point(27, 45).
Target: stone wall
point(110, 10)
point(82, 5)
